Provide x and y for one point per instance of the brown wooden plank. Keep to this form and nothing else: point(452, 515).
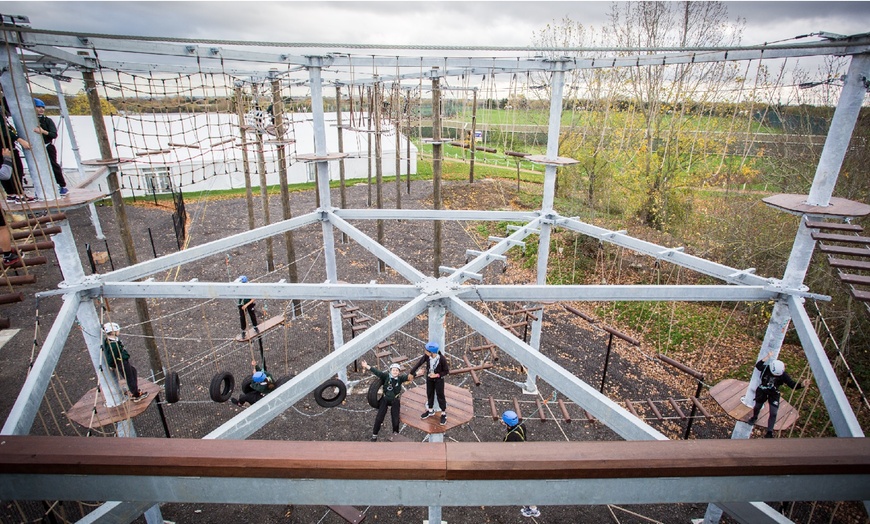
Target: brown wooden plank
point(848, 264)
point(346, 316)
point(340, 305)
point(700, 407)
point(492, 409)
point(34, 246)
point(460, 409)
point(17, 280)
point(91, 412)
point(654, 409)
point(351, 308)
point(27, 262)
point(359, 327)
point(385, 344)
point(383, 354)
point(863, 296)
point(398, 359)
point(850, 278)
point(480, 348)
point(349, 513)
point(834, 226)
point(630, 407)
point(833, 237)
point(11, 298)
point(263, 327)
point(677, 408)
point(840, 250)
point(41, 232)
point(540, 408)
point(564, 409)
point(19, 224)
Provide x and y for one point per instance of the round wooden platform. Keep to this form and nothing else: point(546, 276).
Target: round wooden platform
point(460, 409)
point(82, 412)
point(837, 207)
point(728, 394)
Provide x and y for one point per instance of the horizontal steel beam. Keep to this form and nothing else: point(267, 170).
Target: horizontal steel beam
point(433, 214)
point(536, 293)
point(265, 290)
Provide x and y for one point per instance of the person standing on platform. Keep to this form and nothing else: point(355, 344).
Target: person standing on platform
point(516, 432)
point(436, 369)
point(773, 376)
point(392, 391)
point(119, 360)
point(14, 187)
point(10, 254)
point(49, 132)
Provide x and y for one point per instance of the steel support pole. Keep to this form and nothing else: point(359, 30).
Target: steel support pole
point(437, 321)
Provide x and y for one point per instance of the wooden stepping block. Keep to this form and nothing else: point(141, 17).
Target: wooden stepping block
point(264, 326)
point(843, 263)
point(834, 226)
point(460, 409)
point(849, 239)
point(841, 250)
point(349, 513)
point(728, 393)
point(82, 412)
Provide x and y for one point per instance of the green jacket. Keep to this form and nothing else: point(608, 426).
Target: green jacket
point(263, 387)
point(392, 386)
point(114, 351)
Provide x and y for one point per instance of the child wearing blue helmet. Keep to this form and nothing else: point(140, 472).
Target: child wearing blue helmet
point(261, 384)
point(437, 368)
point(517, 433)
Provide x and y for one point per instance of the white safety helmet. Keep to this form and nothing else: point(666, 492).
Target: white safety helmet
point(395, 366)
point(777, 367)
point(111, 327)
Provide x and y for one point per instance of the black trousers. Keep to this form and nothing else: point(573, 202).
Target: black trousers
point(395, 405)
point(771, 396)
point(435, 386)
point(55, 167)
point(128, 373)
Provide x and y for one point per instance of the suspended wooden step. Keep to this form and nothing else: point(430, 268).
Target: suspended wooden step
point(728, 394)
point(834, 226)
point(11, 298)
point(848, 239)
point(850, 278)
point(43, 232)
point(848, 264)
point(460, 409)
point(91, 410)
point(19, 224)
point(17, 280)
point(27, 262)
point(841, 250)
point(863, 296)
point(34, 246)
point(348, 513)
point(262, 328)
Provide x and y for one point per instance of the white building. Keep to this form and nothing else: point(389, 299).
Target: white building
point(203, 151)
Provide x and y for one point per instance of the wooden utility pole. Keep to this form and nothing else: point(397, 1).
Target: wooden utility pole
point(246, 165)
point(436, 168)
point(121, 217)
point(398, 127)
point(408, 143)
point(379, 165)
point(473, 136)
point(264, 197)
point(281, 145)
point(341, 173)
point(369, 140)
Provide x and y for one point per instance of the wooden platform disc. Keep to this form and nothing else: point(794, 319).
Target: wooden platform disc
point(460, 409)
point(107, 162)
point(74, 199)
point(262, 328)
point(558, 161)
point(728, 393)
point(838, 207)
point(312, 157)
point(81, 412)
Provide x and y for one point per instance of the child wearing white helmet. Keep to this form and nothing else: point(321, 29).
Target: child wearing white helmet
point(437, 368)
point(773, 376)
point(392, 391)
point(517, 433)
point(119, 360)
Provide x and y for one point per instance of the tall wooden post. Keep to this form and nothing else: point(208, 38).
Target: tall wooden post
point(246, 165)
point(398, 127)
point(436, 168)
point(369, 140)
point(281, 145)
point(408, 145)
point(264, 197)
point(379, 166)
point(473, 136)
point(341, 172)
point(121, 217)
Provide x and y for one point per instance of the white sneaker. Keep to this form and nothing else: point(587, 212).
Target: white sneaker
point(529, 512)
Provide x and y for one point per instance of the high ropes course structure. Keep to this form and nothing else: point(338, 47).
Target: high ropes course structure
point(135, 475)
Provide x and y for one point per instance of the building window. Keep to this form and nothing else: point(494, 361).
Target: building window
point(312, 172)
point(157, 179)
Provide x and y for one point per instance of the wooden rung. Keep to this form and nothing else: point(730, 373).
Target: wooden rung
point(541, 414)
point(840, 250)
point(480, 348)
point(474, 376)
point(515, 325)
point(850, 278)
point(352, 308)
point(492, 408)
point(11, 298)
point(349, 513)
point(17, 280)
point(630, 407)
point(340, 305)
point(700, 407)
point(399, 358)
point(43, 232)
point(18, 224)
point(4, 323)
point(27, 262)
point(383, 354)
point(654, 409)
point(23, 248)
point(589, 416)
point(525, 310)
point(359, 327)
point(848, 264)
point(833, 237)
point(834, 226)
point(677, 408)
point(564, 409)
point(517, 408)
point(863, 296)
point(346, 316)
point(385, 344)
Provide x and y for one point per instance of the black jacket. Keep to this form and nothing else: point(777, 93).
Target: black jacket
point(769, 381)
point(48, 125)
point(441, 369)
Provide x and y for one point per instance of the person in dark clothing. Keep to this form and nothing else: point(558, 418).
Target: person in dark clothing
point(49, 132)
point(13, 187)
point(119, 360)
point(437, 368)
point(262, 383)
point(773, 376)
point(10, 254)
point(247, 304)
point(516, 432)
point(393, 381)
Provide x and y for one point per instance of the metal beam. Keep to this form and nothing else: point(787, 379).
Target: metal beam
point(433, 214)
point(586, 293)
point(268, 290)
point(486, 258)
point(372, 246)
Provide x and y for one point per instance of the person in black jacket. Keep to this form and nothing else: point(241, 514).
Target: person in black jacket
point(773, 376)
point(393, 381)
point(14, 186)
point(516, 432)
point(437, 368)
point(48, 131)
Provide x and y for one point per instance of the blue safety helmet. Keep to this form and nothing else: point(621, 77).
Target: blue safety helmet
point(432, 347)
point(38, 103)
point(243, 279)
point(259, 377)
point(510, 418)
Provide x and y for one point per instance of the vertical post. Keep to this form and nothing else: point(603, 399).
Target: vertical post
point(369, 140)
point(264, 197)
point(121, 217)
point(398, 127)
point(473, 136)
point(322, 168)
point(246, 165)
point(280, 132)
point(341, 172)
point(379, 166)
point(437, 321)
point(64, 115)
point(408, 145)
point(606, 363)
point(694, 411)
point(436, 168)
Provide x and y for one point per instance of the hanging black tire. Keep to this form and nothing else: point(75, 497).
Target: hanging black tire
point(374, 394)
point(246, 385)
point(172, 387)
point(330, 394)
point(283, 380)
point(221, 387)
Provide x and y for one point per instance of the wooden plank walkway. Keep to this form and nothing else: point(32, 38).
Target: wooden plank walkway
point(728, 393)
point(460, 409)
point(263, 327)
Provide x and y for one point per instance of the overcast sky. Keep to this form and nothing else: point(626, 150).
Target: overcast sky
point(402, 22)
